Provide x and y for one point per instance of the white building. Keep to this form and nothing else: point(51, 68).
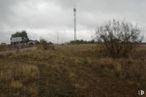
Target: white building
point(18, 40)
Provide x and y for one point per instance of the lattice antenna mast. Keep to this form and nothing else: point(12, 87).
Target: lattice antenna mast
point(74, 10)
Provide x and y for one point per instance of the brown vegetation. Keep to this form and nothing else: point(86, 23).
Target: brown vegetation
point(72, 71)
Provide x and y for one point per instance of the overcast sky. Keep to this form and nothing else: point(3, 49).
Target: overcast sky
point(46, 18)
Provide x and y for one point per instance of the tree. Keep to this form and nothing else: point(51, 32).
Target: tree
point(43, 44)
point(43, 41)
point(119, 38)
point(22, 34)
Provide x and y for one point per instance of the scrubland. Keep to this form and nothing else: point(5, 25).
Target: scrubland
point(81, 70)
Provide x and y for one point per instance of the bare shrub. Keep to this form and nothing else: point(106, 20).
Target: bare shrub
point(119, 38)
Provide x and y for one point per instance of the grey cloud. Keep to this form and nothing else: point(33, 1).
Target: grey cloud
point(43, 18)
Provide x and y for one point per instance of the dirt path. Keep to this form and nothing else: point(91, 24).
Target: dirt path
point(14, 51)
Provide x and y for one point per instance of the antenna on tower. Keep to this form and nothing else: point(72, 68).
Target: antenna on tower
point(74, 10)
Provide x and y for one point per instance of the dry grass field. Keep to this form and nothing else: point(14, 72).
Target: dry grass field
point(72, 71)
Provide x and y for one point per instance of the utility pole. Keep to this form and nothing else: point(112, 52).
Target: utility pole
point(74, 10)
point(57, 37)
